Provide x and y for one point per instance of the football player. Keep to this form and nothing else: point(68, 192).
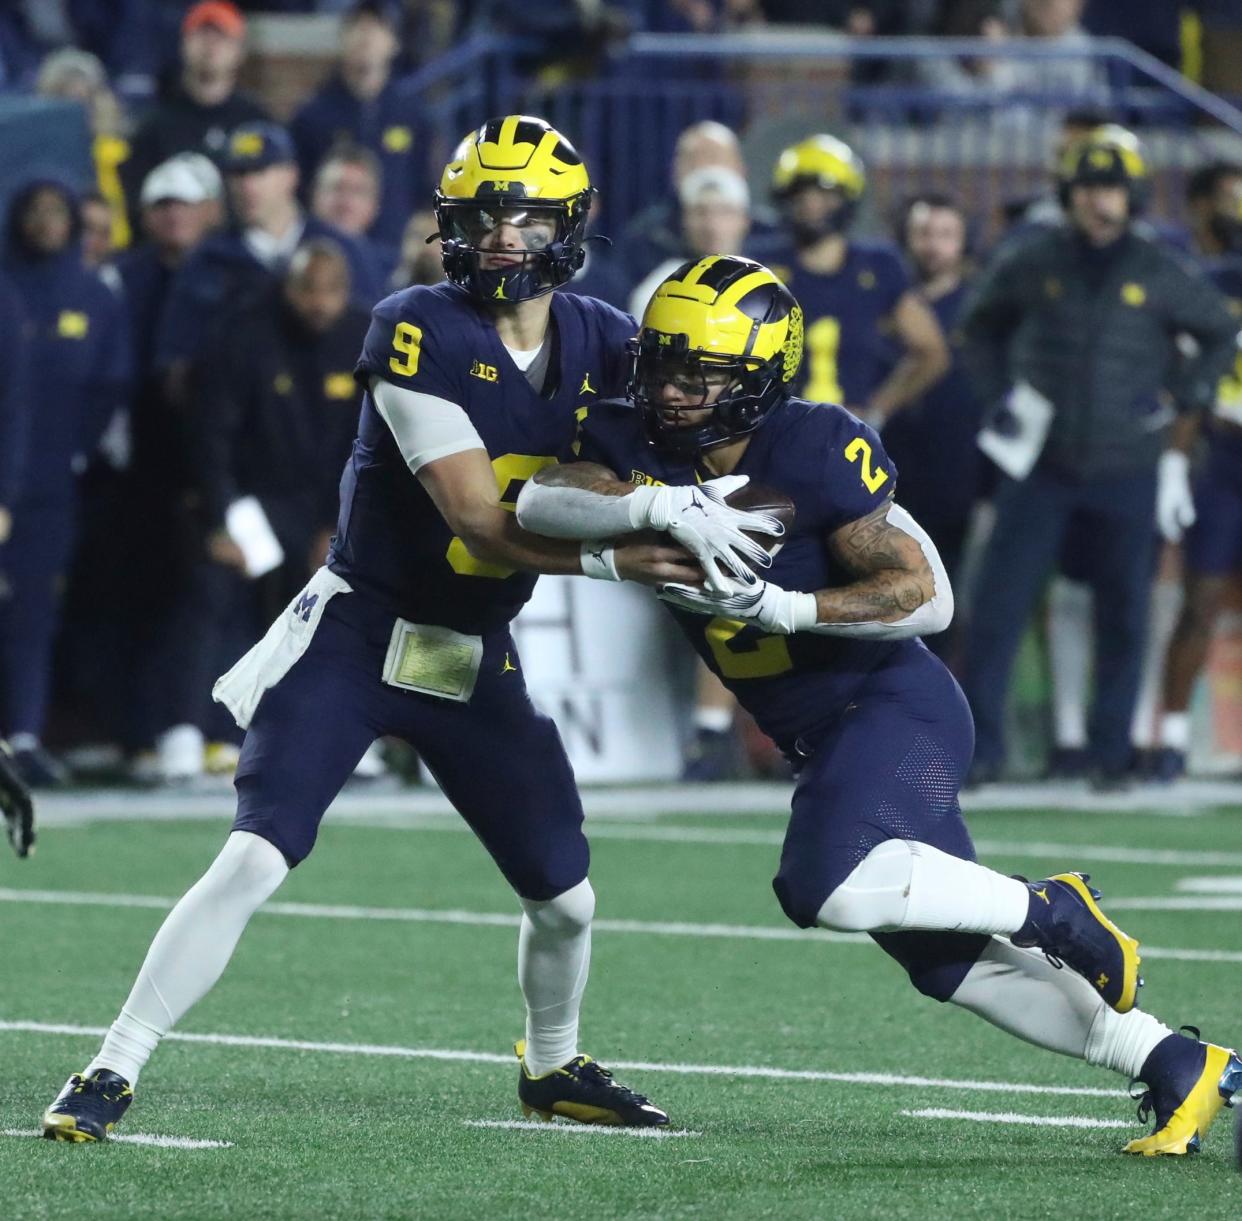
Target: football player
point(1212, 553)
point(15, 804)
point(471, 385)
point(825, 654)
point(872, 341)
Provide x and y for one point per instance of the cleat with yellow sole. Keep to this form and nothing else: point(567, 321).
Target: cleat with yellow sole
point(584, 1091)
point(1188, 1084)
point(1066, 922)
point(88, 1108)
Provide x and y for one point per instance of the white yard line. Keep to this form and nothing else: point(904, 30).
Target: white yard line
point(141, 1138)
point(642, 803)
point(1012, 1117)
point(644, 825)
point(578, 1129)
point(655, 928)
point(760, 1072)
point(1162, 903)
point(1219, 885)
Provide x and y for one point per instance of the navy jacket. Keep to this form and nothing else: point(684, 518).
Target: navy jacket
point(80, 362)
point(222, 277)
point(389, 126)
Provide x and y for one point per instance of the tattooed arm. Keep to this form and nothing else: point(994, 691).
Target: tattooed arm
point(894, 573)
point(901, 587)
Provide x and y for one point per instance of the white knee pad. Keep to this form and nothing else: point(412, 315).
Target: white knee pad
point(876, 894)
point(570, 912)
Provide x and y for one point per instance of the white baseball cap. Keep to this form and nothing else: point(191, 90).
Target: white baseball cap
point(727, 185)
point(173, 180)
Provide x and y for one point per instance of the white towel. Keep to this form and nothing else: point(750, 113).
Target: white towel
point(241, 689)
point(1017, 450)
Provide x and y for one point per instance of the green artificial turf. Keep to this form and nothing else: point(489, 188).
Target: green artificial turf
point(339, 1133)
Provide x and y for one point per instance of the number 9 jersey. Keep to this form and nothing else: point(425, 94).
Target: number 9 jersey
point(392, 544)
point(835, 470)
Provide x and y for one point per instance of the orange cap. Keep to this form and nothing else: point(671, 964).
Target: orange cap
point(225, 17)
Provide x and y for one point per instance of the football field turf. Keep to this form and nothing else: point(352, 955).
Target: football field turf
point(356, 1054)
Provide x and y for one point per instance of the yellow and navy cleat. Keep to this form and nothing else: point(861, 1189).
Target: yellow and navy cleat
point(88, 1108)
point(584, 1091)
point(1065, 921)
point(1188, 1084)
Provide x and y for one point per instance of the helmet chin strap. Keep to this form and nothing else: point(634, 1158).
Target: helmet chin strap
point(538, 273)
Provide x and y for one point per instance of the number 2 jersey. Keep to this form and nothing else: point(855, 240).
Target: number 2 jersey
point(834, 468)
point(391, 542)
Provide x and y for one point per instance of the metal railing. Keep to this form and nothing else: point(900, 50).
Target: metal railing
point(987, 144)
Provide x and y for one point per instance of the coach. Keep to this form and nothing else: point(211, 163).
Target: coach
point(1077, 334)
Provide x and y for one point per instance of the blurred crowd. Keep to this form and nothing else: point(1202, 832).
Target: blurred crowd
point(177, 345)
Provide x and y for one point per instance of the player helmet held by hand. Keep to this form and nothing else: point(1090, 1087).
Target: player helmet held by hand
point(512, 209)
point(723, 323)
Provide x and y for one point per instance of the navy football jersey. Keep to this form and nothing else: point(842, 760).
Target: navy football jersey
point(391, 541)
point(1224, 429)
point(835, 470)
point(849, 350)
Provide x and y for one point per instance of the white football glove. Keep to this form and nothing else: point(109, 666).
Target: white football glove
point(698, 518)
point(780, 612)
point(1175, 505)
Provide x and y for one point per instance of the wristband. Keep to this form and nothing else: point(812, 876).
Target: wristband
point(598, 560)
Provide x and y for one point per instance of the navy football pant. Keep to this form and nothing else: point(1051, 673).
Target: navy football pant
point(1213, 544)
point(890, 769)
point(33, 564)
point(499, 761)
point(1115, 518)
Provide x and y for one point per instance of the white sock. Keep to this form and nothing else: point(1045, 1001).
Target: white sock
point(1069, 658)
point(554, 956)
point(1123, 1041)
point(903, 884)
point(1175, 730)
point(713, 720)
point(191, 950)
point(1022, 993)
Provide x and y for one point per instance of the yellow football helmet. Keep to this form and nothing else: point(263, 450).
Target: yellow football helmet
point(517, 171)
point(721, 321)
point(1109, 155)
point(826, 162)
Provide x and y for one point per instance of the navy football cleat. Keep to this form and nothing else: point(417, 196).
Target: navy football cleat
point(88, 1108)
point(1065, 922)
point(1188, 1084)
point(585, 1091)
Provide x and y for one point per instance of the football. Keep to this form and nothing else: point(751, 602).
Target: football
point(755, 498)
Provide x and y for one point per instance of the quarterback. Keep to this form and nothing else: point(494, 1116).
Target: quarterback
point(825, 655)
point(472, 385)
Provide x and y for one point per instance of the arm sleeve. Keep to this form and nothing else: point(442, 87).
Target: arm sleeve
point(425, 427)
point(933, 616)
point(989, 315)
point(1199, 309)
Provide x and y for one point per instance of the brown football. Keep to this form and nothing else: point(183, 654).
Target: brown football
point(755, 498)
